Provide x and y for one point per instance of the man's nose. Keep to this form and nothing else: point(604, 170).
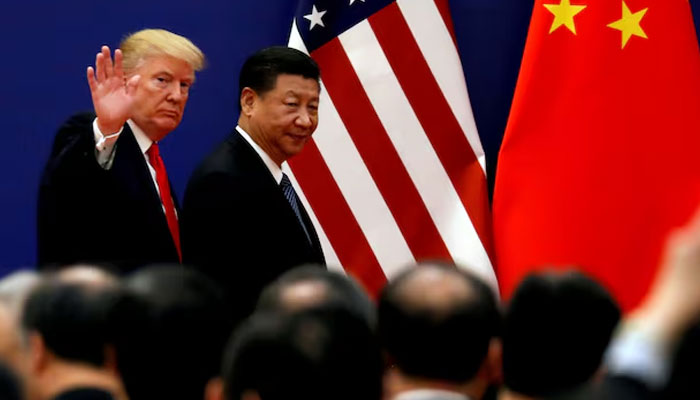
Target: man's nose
point(175, 92)
point(304, 119)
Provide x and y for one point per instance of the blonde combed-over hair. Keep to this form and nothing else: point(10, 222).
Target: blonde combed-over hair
point(139, 46)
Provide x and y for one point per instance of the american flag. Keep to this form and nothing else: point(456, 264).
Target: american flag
point(395, 172)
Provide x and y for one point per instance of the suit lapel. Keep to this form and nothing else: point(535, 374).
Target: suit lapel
point(130, 168)
point(261, 177)
point(130, 165)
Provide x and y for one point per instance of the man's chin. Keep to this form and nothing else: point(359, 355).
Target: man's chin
point(296, 146)
point(167, 124)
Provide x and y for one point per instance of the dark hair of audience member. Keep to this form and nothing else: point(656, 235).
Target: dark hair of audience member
point(10, 387)
point(260, 71)
point(556, 330)
point(447, 344)
point(325, 352)
point(131, 323)
point(332, 288)
point(184, 336)
point(73, 320)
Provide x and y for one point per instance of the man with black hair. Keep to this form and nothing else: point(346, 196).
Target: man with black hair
point(242, 222)
point(70, 341)
point(178, 348)
point(640, 361)
point(309, 286)
point(438, 325)
point(556, 329)
point(321, 353)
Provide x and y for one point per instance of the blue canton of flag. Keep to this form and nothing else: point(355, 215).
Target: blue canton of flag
point(335, 17)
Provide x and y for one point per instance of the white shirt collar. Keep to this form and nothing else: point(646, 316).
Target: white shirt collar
point(428, 394)
point(275, 170)
point(144, 141)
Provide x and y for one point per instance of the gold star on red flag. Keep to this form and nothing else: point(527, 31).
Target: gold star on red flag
point(629, 24)
point(564, 14)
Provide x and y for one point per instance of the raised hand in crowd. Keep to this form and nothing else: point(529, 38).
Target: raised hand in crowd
point(673, 302)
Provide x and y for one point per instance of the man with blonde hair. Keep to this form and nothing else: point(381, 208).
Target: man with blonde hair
point(104, 195)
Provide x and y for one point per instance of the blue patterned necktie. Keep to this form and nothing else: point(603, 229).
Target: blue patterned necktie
point(291, 197)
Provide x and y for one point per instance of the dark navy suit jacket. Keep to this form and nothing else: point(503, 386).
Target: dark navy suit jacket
point(238, 227)
point(89, 214)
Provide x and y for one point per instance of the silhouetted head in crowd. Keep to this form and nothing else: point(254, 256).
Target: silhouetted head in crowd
point(437, 324)
point(556, 330)
point(322, 353)
point(70, 337)
point(310, 286)
point(184, 337)
point(14, 290)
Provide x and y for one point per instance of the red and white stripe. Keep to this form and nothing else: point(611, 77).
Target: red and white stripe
point(395, 171)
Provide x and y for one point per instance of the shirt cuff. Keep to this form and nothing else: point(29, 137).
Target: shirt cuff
point(104, 142)
point(636, 353)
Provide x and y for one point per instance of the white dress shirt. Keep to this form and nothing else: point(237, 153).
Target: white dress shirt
point(636, 353)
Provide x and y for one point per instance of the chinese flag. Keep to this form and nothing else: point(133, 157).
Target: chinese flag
point(601, 155)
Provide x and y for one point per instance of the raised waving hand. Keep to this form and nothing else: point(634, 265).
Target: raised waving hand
point(112, 94)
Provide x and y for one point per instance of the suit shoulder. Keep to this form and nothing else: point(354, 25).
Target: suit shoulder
point(230, 157)
point(73, 139)
point(231, 170)
point(77, 128)
point(73, 150)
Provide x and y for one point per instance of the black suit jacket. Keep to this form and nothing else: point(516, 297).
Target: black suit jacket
point(89, 214)
point(238, 227)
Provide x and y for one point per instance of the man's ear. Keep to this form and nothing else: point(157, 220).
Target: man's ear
point(494, 358)
point(38, 353)
point(248, 99)
point(110, 362)
point(214, 389)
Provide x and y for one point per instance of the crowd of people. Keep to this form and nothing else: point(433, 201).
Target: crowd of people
point(436, 331)
point(240, 305)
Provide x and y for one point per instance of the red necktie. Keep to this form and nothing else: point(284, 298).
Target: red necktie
point(165, 197)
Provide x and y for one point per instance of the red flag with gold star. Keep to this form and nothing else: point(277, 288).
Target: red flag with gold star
point(601, 155)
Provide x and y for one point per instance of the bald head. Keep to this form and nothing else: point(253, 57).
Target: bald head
point(304, 295)
point(435, 289)
point(87, 275)
point(311, 286)
point(436, 322)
